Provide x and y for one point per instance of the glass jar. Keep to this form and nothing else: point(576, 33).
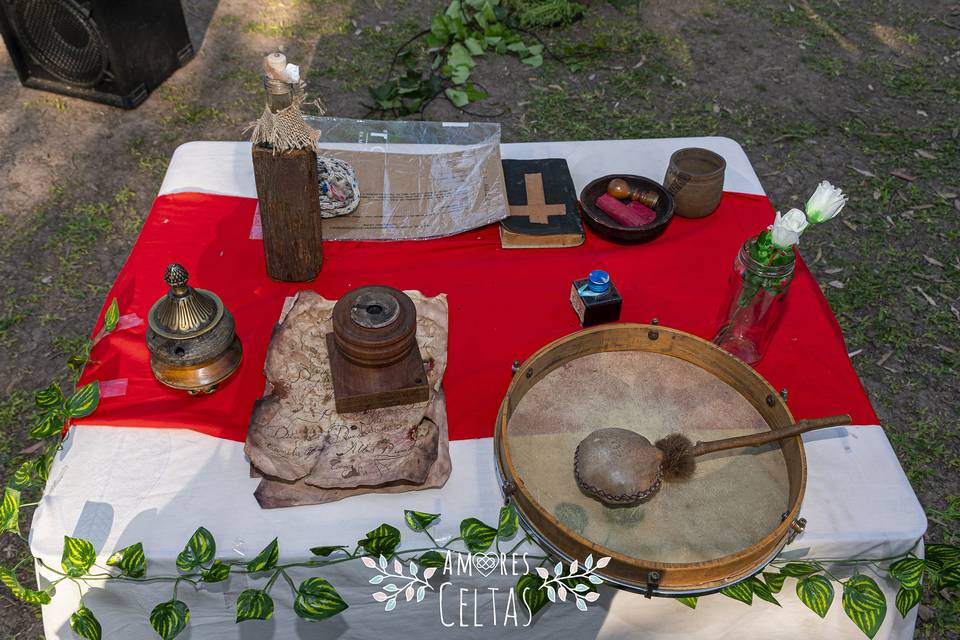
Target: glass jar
point(754, 304)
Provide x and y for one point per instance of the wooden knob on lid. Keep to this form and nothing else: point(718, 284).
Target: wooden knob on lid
point(618, 188)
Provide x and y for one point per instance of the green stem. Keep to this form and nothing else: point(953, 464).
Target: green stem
point(273, 578)
point(429, 535)
point(289, 580)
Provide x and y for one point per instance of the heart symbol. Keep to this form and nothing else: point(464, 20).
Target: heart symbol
point(485, 563)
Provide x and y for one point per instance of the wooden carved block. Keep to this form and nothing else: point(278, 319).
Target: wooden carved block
point(374, 358)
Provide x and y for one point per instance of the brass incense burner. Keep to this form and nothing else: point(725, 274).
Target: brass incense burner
point(191, 337)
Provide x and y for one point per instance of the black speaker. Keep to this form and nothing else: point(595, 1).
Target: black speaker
point(111, 51)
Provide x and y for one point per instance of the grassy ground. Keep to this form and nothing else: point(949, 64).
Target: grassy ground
point(863, 93)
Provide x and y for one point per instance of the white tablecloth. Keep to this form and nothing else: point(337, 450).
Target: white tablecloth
point(117, 486)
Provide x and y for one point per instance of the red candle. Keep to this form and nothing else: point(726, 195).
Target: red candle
point(627, 215)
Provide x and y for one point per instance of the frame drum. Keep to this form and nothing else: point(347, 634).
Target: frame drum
point(695, 536)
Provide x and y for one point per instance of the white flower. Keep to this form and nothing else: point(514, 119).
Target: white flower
point(825, 203)
point(787, 228)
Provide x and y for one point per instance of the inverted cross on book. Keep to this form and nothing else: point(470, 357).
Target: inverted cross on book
point(536, 208)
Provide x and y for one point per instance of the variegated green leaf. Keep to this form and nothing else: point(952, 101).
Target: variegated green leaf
point(476, 535)
point(78, 556)
point(84, 401)
point(77, 362)
point(317, 600)
point(530, 588)
point(907, 571)
point(111, 317)
point(218, 572)
point(816, 592)
point(41, 466)
point(130, 560)
point(740, 591)
point(168, 619)
point(10, 511)
point(688, 601)
point(254, 604)
point(762, 591)
point(23, 476)
point(381, 541)
point(49, 424)
point(774, 581)
point(266, 559)
point(907, 599)
point(9, 579)
point(508, 523)
point(418, 520)
point(200, 550)
point(943, 553)
point(800, 569)
point(950, 576)
point(326, 551)
point(433, 559)
point(85, 624)
point(864, 603)
point(50, 397)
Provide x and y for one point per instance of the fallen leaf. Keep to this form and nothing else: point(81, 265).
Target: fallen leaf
point(836, 284)
point(854, 353)
point(863, 172)
point(925, 613)
point(932, 302)
point(849, 225)
point(925, 154)
point(943, 347)
point(902, 174)
point(883, 359)
point(833, 270)
point(932, 261)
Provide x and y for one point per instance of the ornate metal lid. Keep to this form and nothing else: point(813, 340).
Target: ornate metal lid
point(184, 312)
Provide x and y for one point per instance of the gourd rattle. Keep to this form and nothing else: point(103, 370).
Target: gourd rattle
point(621, 467)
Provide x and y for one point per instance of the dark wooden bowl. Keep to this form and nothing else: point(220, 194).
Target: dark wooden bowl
point(608, 228)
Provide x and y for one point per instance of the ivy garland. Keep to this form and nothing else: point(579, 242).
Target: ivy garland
point(316, 599)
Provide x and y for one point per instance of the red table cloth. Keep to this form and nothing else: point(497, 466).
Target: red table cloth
point(504, 305)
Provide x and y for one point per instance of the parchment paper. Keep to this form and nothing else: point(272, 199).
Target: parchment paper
point(273, 493)
point(296, 435)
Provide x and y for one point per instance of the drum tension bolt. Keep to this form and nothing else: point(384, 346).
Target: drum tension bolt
point(783, 394)
point(771, 400)
point(653, 582)
point(796, 528)
point(508, 490)
point(515, 367)
point(529, 373)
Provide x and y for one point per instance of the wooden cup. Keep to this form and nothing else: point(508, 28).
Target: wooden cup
point(695, 179)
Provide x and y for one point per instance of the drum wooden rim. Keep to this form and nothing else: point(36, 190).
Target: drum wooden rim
point(623, 570)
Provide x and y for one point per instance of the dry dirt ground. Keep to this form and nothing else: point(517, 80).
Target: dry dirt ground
point(863, 93)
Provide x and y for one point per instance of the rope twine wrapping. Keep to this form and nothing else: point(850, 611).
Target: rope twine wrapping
point(286, 130)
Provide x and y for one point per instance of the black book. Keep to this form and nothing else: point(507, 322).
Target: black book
point(543, 205)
